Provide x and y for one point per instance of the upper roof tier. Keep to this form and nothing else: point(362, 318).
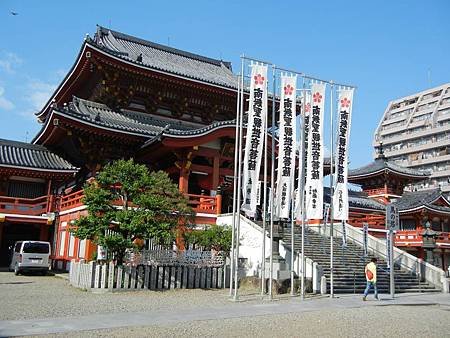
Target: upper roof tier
point(380, 166)
point(168, 59)
point(20, 155)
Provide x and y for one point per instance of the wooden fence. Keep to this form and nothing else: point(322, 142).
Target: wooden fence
point(94, 276)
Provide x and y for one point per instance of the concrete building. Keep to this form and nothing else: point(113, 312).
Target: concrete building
point(415, 132)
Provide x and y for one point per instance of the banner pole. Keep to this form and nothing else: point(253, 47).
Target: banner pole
point(264, 211)
point(236, 146)
point(331, 193)
point(272, 174)
point(292, 227)
point(302, 189)
point(238, 223)
point(391, 263)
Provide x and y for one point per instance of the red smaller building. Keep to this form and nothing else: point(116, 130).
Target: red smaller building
point(424, 215)
point(30, 176)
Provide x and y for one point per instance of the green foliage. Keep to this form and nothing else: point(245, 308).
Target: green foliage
point(213, 237)
point(127, 202)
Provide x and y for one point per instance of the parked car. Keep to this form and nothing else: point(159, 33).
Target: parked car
point(30, 256)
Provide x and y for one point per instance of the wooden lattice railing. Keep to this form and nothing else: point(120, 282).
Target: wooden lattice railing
point(24, 206)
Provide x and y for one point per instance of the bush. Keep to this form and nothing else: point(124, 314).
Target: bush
point(214, 237)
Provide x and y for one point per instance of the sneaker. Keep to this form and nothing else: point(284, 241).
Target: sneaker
point(364, 298)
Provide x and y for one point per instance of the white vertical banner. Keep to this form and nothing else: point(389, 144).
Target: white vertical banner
point(340, 197)
point(286, 145)
point(254, 141)
point(365, 237)
point(314, 173)
point(306, 97)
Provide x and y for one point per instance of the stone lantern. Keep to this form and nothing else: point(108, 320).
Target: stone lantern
point(429, 242)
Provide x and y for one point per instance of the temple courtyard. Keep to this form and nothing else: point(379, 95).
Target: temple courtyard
point(35, 306)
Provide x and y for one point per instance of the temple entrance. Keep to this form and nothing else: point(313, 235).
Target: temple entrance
point(13, 232)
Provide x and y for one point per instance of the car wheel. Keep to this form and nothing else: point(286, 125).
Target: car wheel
point(16, 270)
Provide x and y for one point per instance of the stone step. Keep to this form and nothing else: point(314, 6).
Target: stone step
point(348, 264)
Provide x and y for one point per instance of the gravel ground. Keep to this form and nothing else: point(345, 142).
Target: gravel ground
point(29, 297)
point(404, 321)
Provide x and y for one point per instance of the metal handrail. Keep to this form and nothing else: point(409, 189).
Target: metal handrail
point(379, 252)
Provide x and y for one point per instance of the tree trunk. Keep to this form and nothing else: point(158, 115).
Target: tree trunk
point(120, 256)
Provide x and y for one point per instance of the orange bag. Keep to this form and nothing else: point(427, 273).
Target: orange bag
point(369, 275)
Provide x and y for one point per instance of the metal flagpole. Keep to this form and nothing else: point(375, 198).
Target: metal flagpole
point(331, 192)
point(264, 211)
point(272, 174)
point(293, 223)
point(302, 191)
point(235, 191)
point(238, 223)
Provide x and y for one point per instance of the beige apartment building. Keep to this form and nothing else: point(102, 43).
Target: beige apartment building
point(415, 132)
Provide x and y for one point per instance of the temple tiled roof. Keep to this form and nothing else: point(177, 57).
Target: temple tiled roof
point(164, 58)
point(382, 164)
point(30, 156)
point(133, 122)
point(421, 199)
point(358, 199)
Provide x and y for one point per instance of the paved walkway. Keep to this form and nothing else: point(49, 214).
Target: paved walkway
point(231, 310)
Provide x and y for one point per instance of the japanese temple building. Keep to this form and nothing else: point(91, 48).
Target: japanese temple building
point(424, 215)
point(172, 110)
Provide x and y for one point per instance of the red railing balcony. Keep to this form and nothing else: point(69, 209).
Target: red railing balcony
point(199, 203)
point(72, 200)
point(25, 206)
point(443, 238)
point(380, 191)
point(205, 204)
point(408, 238)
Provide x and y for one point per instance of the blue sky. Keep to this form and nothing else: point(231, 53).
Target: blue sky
point(386, 48)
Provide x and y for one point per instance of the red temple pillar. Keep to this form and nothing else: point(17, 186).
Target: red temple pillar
point(215, 176)
point(183, 182)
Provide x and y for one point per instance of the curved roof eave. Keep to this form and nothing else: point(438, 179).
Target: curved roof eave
point(427, 207)
point(59, 171)
point(64, 81)
point(387, 169)
point(62, 114)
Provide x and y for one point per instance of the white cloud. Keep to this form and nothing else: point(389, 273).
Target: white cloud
point(39, 93)
point(4, 102)
point(8, 61)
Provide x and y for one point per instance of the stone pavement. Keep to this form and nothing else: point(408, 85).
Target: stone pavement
point(231, 310)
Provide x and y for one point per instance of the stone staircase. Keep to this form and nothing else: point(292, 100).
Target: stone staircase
point(349, 263)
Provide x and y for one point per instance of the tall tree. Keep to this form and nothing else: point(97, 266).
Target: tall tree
point(126, 202)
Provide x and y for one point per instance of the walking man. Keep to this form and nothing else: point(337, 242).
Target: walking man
point(371, 277)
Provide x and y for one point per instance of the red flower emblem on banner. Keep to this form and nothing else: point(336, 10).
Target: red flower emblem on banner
point(308, 107)
point(317, 97)
point(288, 90)
point(259, 80)
point(345, 103)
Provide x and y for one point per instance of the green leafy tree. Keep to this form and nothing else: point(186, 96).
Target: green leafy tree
point(127, 202)
point(213, 237)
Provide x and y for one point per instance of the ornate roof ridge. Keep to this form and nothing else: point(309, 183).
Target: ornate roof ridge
point(31, 156)
point(20, 144)
point(380, 164)
point(103, 31)
point(415, 199)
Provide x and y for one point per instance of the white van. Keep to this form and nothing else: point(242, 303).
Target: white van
point(30, 256)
